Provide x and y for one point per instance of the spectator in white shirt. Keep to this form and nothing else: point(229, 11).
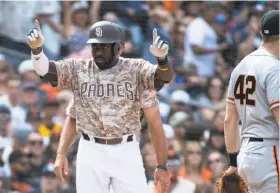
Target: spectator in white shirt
point(12, 100)
point(201, 41)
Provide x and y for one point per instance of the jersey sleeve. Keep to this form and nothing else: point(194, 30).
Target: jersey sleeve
point(71, 109)
point(65, 72)
point(230, 95)
point(272, 85)
point(148, 98)
point(147, 74)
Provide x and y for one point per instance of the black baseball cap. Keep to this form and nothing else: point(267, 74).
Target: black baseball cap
point(270, 23)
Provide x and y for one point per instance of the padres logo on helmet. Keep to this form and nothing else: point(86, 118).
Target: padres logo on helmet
point(105, 32)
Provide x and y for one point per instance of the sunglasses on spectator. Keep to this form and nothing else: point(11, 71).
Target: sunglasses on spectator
point(34, 142)
point(214, 161)
point(193, 152)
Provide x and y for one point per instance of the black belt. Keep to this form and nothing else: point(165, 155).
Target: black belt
point(111, 141)
point(252, 139)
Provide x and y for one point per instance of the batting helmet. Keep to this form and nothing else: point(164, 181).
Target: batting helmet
point(105, 32)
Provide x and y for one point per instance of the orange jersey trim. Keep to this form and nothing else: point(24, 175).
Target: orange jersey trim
point(276, 165)
point(230, 98)
point(273, 103)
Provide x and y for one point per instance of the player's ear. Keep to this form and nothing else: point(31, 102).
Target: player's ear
point(121, 49)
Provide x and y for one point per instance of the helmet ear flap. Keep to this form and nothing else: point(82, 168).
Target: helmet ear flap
point(116, 48)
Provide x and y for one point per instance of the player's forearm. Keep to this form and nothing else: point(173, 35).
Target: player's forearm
point(199, 50)
point(165, 70)
point(40, 61)
point(68, 136)
point(232, 134)
point(159, 141)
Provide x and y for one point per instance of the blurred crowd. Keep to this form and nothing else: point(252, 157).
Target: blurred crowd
point(207, 40)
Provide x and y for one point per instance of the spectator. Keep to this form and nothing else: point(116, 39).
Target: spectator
point(76, 24)
point(216, 141)
point(215, 93)
point(201, 42)
point(12, 99)
point(35, 149)
point(34, 119)
point(177, 121)
point(133, 15)
point(63, 99)
point(27, 72)
point(5, 72)
point(19, 172)
point(217, 164)
point(49, 182)
point(31, 97)
point(48, 127)
point(193, 169)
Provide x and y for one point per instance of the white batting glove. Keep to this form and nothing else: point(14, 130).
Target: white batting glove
point(34, 37)
point(159, 47)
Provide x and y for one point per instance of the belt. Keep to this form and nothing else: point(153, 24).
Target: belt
point(111, 141)
point(253, 139)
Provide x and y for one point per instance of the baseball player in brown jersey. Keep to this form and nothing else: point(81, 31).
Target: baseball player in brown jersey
point(253, 98)
point(109, 92)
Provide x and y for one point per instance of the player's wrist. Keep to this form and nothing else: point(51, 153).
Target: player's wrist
point(162, 60)
point(233, 158)
point(37, 51)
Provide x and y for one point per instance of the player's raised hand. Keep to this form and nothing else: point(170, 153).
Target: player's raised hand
point(159, 47)
point(61, 167)
point(34, 37)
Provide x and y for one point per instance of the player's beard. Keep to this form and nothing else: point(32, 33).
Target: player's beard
point(103, 64)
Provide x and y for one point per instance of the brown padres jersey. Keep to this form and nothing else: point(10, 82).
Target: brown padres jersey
point(107, 103)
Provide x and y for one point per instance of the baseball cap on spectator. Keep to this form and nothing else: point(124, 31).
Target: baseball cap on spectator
point(270, 23)
point(25, 66)
point(22, 131)
point(180, 96)
point(168, 131)
point(4, 109)
point(178, 118)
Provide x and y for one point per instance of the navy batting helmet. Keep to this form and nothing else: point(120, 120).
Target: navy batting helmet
point(105, 32)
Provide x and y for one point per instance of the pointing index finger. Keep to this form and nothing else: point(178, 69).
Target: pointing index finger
point(37, 25)
point(154, 34)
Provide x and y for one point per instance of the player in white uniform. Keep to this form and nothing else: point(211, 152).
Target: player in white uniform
point(253, 99)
